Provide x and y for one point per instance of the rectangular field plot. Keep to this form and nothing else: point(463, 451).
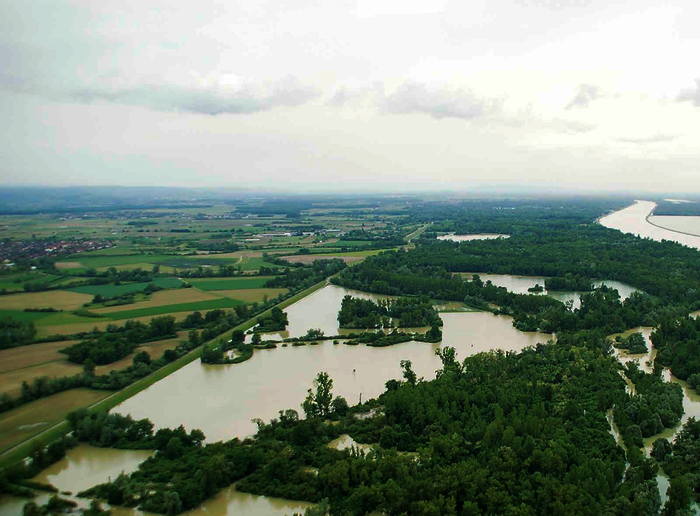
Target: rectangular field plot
point(253, 295)
point(180, 307)
point(24, 357)
point(162, 298)
point(58, 299)
point(45, 330)
point(126, 288)
point(23, 422)
point(230, 283)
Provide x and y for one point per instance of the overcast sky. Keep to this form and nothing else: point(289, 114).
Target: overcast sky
point(351, 95)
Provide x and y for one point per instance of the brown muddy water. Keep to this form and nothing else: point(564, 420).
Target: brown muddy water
point(634, 220)
point(222, 400)
point(520, 284)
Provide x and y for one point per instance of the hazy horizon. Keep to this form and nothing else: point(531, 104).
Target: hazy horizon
point(363, 96)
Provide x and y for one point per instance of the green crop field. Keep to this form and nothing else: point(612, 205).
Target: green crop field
point(254, 264)
point(115, 261)
point(118, 290)
point(110, 290)
point(230, 283)
point(167, 309)
point(190, 262)
point(168, 282)
point(20, 315)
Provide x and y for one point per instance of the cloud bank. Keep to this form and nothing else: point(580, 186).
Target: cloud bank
point(438, 102)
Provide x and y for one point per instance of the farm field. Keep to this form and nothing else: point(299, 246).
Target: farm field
point(28, 356)
point(58, 299)
point(253, 264)
point(118, 290)
point(69, 265)
point(101, 324)
point(230, 283)
point(161, 298)
point(179, 307)
point(34, 361)
point(311, 258)
point(141, 265)
point(252, 295)
point(19, 424)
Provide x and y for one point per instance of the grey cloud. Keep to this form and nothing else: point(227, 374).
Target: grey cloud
point(691, 95)
point(437, 102)
point(586, 94)
point(209, 97)
point(657, 138)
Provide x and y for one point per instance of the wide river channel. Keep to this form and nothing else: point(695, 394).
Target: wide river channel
point(222, 400)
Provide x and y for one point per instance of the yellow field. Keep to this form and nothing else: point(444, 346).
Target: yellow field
point(162, 298)
point(29, 362)
point(69, 329)
point(11, 381)
point(23, 422)
point(251, 295)
point(58, 299)
point(68, 265)
point(28, 356)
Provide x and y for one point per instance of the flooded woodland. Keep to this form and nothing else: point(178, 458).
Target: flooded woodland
point(223, 400)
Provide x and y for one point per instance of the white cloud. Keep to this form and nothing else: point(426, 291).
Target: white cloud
point(225, 94)
point(438, 102)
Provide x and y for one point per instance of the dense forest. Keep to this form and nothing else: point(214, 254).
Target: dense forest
point(504, 433)
point(677, 341)
point(403, 312)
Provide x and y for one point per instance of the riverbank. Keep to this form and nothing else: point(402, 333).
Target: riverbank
point(26, 447)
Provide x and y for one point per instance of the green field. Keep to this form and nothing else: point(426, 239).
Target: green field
point(168, 282)
point(110, 290)
point(17, 281)
point(20, 315)
point(118, 290)
point(254, 264)
point(167, 309)
point(230, 283)
point(114, 261)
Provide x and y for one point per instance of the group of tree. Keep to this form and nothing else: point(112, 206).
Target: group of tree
point(396, 273)
point(276, 320)
point(634, 344)
point(378, 339)
point(107, 347)
point(677, 342)
point(404, 312)
point(299, 278)
point(15, 333)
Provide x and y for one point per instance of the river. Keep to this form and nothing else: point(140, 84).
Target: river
point(633, 219)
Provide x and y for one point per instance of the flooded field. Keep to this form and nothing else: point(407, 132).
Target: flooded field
point(277, 379)
point(520, 284)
